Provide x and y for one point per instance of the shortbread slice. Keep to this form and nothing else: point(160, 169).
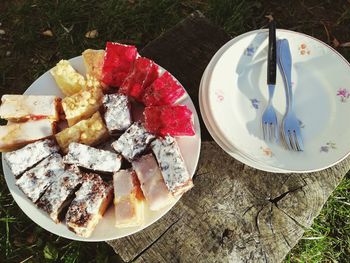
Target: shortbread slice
point(90, 132)
point(82, 105)
point(93, 61)
point(67, 78)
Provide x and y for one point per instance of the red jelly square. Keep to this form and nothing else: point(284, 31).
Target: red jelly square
point(144, 72)
point(163, 91)
point(118, 62)
point(174, 120)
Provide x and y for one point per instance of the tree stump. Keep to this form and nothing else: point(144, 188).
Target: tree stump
point(234, 213)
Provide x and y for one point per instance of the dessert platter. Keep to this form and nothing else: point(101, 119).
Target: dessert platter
point(100, 146)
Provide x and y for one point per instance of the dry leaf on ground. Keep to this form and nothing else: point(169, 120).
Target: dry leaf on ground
point(47, 33)
point(91, 34)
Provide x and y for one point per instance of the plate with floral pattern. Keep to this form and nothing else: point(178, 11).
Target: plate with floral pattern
point(234, 94)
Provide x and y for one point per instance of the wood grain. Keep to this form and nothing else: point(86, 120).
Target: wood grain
point(234, 213)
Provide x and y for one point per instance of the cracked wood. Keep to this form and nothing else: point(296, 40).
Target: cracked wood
point(234, 213)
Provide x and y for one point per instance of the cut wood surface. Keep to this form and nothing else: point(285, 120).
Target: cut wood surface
point(234, 213)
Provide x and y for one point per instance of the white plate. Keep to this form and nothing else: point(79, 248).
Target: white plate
point(220, 141)
point(105, 230)
point(235, 91)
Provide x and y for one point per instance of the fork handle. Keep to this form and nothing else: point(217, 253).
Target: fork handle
point(271, 57)
point(285, 65)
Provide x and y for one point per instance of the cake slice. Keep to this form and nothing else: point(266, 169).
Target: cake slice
point(172, 165)
point(92, 158)
point(25, 158)
point(82, 105)
point(59, 194)
point(35, 181)
point(93, 61)
point(15, 135)
point(117, 112)
point(89, 205)
point(128, 199)
point(152, 183)
point(90, 132)
point(25, 107)
point(133, 142)
point(67, 78)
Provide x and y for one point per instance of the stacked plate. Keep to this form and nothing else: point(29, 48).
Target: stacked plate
point(233, 95)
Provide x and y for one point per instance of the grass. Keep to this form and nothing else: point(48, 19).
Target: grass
point(26, 54)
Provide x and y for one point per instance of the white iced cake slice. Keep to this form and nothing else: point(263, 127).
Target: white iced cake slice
point(25, 107)
point(35, 181)
point(152, 183)
point(92, 158)
point(82, 105)
point(128, 199)
point(117, 112)
point(25, 158)
point(89, 205)
point(59, 194)
point(133, 142)
point(15, 135)
point(172, 165)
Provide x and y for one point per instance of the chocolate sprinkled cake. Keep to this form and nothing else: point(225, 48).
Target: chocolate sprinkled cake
point(59, 194)
point(26, 157)
point(172, 165)
point(92, 158)
point(35, 181)
point(89, 204)
point(133, 142)
point(117, 115)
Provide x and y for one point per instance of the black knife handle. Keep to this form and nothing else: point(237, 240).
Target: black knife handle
point(271, 59)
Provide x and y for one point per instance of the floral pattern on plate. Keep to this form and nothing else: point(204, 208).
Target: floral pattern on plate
point(255, 103)
point(267, 151)
point(250, 50)
point(219, 95)
point(329, 145)
point(344, 94)
point(304, 50)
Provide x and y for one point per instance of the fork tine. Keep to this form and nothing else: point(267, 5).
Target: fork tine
point(298, 140)
point(292, 140)
point(264, 130)
point(276, 131)
point(270, 131)
point(287, 140)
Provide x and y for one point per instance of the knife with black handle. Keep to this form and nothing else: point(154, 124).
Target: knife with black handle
point(271, 59)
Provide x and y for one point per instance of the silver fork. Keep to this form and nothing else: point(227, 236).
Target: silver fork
point(269, 118)
point(290, 128)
